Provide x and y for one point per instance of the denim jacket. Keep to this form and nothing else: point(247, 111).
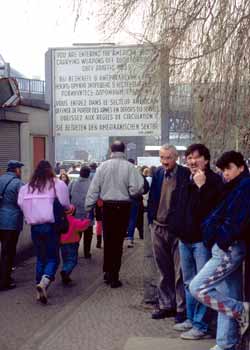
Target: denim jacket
point(230, 221)
point(11, 217)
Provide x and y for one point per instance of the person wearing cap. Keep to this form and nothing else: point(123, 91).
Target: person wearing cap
point(11, 220)
point(69, 243)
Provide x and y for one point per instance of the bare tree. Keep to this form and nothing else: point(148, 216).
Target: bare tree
point(208, 46)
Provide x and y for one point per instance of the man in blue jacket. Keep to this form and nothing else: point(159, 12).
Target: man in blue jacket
point(218, 285)
point(11, 221)
point(164, 191)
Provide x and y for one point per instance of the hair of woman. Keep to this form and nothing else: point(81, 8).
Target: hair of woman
point(67, 181)
point(43, 174)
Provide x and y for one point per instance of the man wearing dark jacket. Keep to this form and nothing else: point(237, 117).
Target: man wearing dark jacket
point(198, 196)
point(226, 230)
point(11, 220)
point(165, 189)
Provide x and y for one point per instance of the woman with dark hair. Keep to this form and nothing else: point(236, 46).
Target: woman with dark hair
point(64, 177)
point(36, 201)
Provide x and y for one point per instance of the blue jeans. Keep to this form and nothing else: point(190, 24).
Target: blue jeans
point(193, 257)
point(133, 219)
point(69, 253)
point(46, 242)
point(219, 286)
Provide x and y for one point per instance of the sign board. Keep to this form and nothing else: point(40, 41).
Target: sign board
point(96, 91)
point(148, 161)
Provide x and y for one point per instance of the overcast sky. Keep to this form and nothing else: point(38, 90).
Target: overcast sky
point(29, 27)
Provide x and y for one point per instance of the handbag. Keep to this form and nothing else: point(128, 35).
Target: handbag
point(61, 224)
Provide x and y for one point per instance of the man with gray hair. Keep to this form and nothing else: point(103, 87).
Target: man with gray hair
point(166, 186)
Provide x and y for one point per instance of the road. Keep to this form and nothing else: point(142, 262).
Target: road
point(89, 315)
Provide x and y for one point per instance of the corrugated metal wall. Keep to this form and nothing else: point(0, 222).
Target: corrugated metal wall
point(9, 143)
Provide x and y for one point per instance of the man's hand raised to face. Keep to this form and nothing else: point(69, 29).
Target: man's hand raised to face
point(199, 178)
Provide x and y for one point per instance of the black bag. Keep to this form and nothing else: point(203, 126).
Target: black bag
point(61, 221)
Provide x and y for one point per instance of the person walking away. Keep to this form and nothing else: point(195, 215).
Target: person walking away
point(36, 201)
point(57, 168)
point(136, 213)
point(218, 285)
point(78, 190)
point(69, 244)
point(165, 188)
point(115, 182)
point(93, 167)
point(11, 221)
point(198, 196)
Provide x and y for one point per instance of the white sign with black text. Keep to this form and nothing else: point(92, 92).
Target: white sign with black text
point(96, 91)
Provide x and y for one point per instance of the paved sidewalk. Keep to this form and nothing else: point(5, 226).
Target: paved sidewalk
point(106, 319)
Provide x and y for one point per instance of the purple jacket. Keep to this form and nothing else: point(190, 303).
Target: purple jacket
point(37, 207)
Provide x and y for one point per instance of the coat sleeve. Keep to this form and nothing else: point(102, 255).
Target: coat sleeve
point(229, 224)
point(136, 182)
point(152, 192)
point(81, 225)
point(94, 191)
point(62, 193)
point(20, 196)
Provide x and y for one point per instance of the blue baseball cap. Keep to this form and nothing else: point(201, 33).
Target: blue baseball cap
point(13, 164)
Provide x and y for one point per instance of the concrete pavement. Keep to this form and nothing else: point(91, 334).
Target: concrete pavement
point(89, 315)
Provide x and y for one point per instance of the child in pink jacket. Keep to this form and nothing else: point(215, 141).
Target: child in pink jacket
point(69, 244)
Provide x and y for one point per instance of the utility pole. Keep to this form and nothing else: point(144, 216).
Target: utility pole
point(165, 94)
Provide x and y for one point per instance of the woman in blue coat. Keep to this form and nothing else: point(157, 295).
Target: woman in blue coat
point(219, 284)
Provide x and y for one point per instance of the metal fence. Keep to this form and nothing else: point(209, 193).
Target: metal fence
point(31, 86)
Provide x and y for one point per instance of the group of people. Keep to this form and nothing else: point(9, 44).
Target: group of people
point(199, 222)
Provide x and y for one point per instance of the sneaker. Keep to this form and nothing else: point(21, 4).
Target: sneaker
point(42, 289)
point(130, 243)
point(244, 320)
point(216, 347)
point(163, 313)
point(195, 334)
point(184, 326)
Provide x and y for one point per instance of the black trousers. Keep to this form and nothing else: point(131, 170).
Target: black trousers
point(140, 219)
point(87, 239)
point(8, 239)
point(115, 225)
